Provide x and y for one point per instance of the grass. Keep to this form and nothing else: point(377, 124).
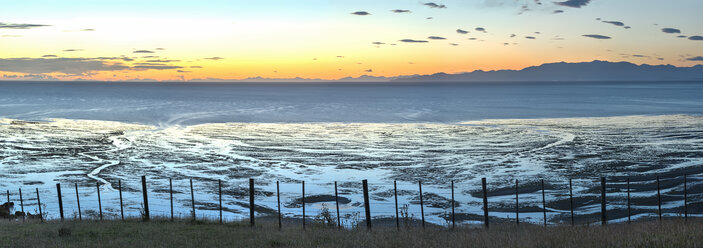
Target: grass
point(162, 233)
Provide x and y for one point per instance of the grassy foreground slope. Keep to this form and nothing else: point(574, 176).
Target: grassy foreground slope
point(671, 233)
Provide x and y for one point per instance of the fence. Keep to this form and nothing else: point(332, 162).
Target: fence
point(393, 212)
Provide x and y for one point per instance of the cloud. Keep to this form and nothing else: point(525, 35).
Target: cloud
point(436, 38)
point(156, 67)
point(215, 58)
point(616, 23)
point(143, 51)
point(162, 60)
point(453, 44)
point(196, 67)
point(88, 30)
point(182, 71)
point(671, 30)
point(512, 35)
point(574, 3)
point(697, 58)
point(413, 41)
point(480, 29)
point(530, 37)
point(360, 13)
point(369, 70)
point(73, 66)
point(434, 5)
point(558, 11)
point(20, 26)
point(695, 37)
point(472, 38)
point(681, 36)
point(377, 43)
point(597, 36)
point(160, 48)
point(73, 50)
point(462, 31)
point(400, 11)
point(49, 56)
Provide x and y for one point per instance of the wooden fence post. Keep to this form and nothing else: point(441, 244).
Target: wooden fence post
point(571, 201)
point(485, 202)
point(453, 203)
point(119, 188)
point(659, 200)
point(395, 192)
point(22, 206)
point(336, 203)
point(251, 201)
point(146, 199)
point(278, 200)
point(303, 200)
point(58, 192)
point(517, 203)
point(41, 214)
point(629, 210)
point(603, 216)
point(685, 199)
point(367, 204)
point(192, 198)
point(170, 194)
point(422, 204)
point(219, 191)
point(100, 205)
point(544, 204)
point(78, 201)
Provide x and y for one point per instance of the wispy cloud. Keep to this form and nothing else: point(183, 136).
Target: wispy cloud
point(574, 3)
point(558, 11)
point(142, 51)
point(436, 38)
point(377, 43)
point(361, 13)
point(530, 37)
point(73, 50)
point(697, 58)
point(401, 11)
point(434, 5)
point(616, 23)
point(597, 36)
point(462, 31)
point(215, 58)
point(20, 26)
point(480, 29)
point(74, 66)
point(695, 37)
point(671, 30)
point(413, 41)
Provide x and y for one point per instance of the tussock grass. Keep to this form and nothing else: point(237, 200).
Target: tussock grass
point(162, 233)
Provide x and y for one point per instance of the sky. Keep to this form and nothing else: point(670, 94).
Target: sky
point(226, 40)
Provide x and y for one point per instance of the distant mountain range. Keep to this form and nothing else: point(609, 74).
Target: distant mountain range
point(586, 71)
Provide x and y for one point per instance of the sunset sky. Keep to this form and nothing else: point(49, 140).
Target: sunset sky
point(221, 40)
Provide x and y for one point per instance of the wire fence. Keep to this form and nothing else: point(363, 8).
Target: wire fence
point(361, 203)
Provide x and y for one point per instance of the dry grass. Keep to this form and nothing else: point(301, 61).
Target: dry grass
point(671, 233)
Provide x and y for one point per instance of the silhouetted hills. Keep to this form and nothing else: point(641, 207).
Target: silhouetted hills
point(586, 71)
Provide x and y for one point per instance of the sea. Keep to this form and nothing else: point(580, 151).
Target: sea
point(555, 140)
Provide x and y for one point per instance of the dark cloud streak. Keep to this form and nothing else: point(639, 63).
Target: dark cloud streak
point(597, 36)
point(574, 3)
point(20, 26)
point(434, 5)
point(413, 41)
